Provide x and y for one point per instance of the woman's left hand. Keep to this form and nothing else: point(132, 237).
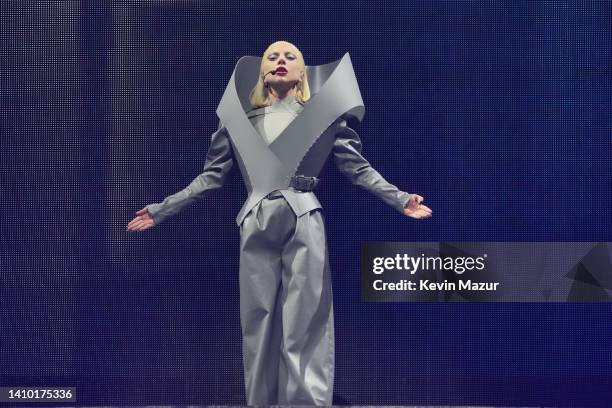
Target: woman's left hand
point(415, 209)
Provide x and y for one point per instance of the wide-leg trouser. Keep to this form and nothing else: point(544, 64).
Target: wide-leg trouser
point(286, 308)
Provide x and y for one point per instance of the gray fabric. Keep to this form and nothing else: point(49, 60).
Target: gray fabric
point(285, 288)
point(285, 285)
point(301, 148)
point(266, 168)
point(347, 157)
point(217, 167)
point(286, 308)
point(271, 120)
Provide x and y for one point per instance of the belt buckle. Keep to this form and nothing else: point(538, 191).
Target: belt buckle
point(304, 183)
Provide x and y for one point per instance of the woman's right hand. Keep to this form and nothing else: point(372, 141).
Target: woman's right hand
point(415, 209)
point(142, 221)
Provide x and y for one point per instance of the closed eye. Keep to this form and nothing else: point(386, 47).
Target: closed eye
point(288, 55)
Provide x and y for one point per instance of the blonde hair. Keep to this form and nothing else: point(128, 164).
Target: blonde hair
point(259, 94)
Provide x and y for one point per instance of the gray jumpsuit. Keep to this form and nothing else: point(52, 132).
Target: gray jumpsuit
point(286, 308)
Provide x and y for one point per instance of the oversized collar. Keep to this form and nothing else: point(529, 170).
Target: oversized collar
point(334, 93)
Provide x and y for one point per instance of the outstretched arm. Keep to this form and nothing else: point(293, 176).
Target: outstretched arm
point(219, 162)
point(348, 158)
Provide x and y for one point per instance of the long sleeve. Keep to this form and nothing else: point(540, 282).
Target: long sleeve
point(219, 162)
point(348, 159)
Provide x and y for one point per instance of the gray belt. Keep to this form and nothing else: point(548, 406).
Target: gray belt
point(304, 183)
point(300, 183)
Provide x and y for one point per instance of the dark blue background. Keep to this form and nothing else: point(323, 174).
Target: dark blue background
point(497, 112)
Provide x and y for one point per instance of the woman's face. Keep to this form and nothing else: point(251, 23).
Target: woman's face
point(282, 57)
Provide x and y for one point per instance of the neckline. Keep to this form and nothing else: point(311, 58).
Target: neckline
point(294, 107)
point(287, 99)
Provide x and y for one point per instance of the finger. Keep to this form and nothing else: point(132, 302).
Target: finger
point(425, 212)
point(146, 226)
point(132, 228)
point(134, 221)
point(425, 208)
point(421, 207)
point(426, 215)
point(139, 224)
point(145, 222)
point(142, 211)
point(421, 214)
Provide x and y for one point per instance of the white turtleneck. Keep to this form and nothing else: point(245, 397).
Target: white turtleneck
point(271, 120)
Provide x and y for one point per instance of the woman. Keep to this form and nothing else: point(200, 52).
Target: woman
point(281, 137)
